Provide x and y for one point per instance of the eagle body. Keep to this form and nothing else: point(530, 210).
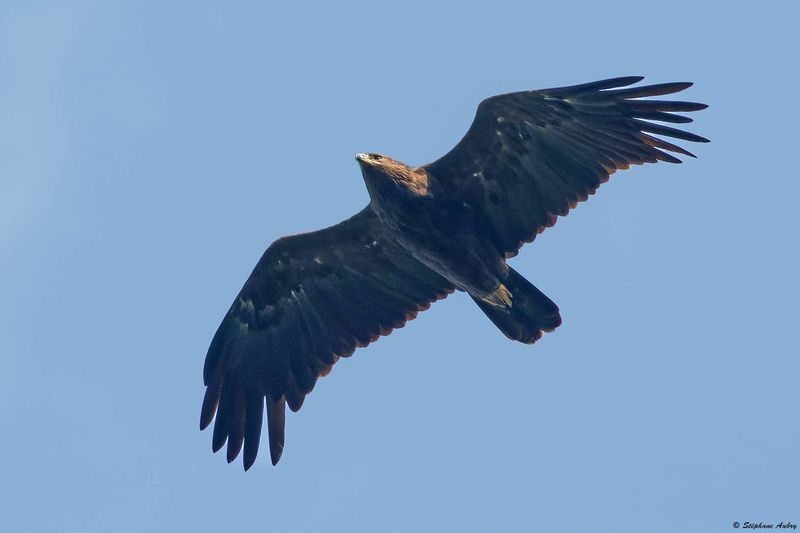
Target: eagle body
point(437, 229)
point(450, 225)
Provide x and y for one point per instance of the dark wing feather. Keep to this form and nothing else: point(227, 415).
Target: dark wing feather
point(529, 157)
point(311, 299)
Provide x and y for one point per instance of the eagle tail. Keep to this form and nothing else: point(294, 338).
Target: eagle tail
point(530, 314)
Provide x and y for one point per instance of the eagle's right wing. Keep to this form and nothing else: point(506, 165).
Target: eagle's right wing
point(311, 299)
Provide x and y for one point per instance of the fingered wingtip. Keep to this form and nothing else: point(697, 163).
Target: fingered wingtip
point(233, 451)
point(621, 81)
point(210, 403)
point(275, 454)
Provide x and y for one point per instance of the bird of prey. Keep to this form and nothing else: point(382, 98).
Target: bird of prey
point(527, 158)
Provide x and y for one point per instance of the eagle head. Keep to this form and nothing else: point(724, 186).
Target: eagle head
point(387, 177)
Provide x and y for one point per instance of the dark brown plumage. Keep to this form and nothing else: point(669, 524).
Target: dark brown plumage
point(527, 158)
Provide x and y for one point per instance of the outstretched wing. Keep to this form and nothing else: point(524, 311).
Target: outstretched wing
point(311, 299)
point(531, 156)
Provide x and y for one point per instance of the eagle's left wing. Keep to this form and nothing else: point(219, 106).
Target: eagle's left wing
point(311, 299)
point(531, 156)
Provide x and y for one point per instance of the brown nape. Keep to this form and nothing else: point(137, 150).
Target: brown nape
point(414, 179)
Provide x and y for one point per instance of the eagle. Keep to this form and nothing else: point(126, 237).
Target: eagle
point(528, 158)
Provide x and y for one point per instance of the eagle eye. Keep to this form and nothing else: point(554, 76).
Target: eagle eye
point(375, 157)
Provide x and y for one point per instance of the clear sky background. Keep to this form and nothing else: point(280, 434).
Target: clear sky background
point(152, 150)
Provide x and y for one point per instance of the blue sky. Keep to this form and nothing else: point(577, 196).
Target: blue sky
point(153, 150)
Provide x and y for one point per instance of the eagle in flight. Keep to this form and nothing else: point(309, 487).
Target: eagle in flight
point(527, 158)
